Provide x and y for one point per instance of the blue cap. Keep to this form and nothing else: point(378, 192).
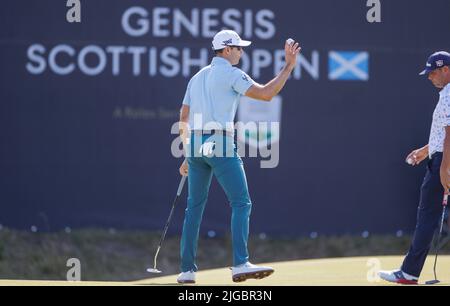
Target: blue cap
point(436, 60)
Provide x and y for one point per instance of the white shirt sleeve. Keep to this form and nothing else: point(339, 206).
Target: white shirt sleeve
point(240, 81)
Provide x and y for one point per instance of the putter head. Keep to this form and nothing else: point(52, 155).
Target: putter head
point(153, 270)
point(432, 282)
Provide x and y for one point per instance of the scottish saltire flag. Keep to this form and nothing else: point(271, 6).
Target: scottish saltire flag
point(348, 65)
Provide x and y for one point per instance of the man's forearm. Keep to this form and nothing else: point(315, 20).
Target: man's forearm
point(184, 132)
point(183, 125)
point(445, 164)
point(275, 85)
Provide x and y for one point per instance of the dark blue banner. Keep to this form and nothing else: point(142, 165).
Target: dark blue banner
point(87, 111)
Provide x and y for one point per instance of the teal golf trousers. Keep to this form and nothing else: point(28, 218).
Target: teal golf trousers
point(226, 165)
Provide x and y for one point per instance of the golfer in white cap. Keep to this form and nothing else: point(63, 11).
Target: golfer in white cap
point(213, 94)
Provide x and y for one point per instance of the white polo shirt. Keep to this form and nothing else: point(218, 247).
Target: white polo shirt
point(441, 119)
point(213, 95)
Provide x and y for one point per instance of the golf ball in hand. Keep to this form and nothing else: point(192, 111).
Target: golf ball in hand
point(410, 161)
point(290, 41)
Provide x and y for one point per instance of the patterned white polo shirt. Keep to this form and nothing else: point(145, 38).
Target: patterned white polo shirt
point(441, 119)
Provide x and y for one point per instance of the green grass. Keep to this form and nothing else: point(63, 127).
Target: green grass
point(125, 255)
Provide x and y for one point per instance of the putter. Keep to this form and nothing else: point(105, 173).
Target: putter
point(180, 189)
point(444, 205)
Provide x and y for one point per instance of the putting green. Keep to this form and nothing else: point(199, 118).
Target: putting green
point(360, 271)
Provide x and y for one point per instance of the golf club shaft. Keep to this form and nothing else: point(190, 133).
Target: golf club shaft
point(180, 186)
point(444, 204)
point(166, 227)
point(156, 256)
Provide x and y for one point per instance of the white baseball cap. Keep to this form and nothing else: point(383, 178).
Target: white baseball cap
point(228, 38)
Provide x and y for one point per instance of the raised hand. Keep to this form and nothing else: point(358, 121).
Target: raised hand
point(291, 49)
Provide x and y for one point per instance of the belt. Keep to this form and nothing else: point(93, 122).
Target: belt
point(213, 132)
point(435, 154)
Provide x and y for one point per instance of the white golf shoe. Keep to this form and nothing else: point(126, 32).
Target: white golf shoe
point(245, 271)
point(186, 277)
point(398, 277)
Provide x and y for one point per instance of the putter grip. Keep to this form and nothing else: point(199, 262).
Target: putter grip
point(180, 187)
